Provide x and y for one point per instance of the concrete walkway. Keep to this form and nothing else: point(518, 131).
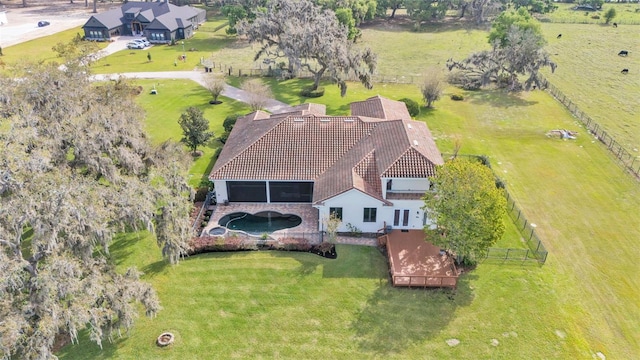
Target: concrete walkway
point(357, 241)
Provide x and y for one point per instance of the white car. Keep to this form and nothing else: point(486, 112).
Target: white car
point(135, 45)
point(144, 42)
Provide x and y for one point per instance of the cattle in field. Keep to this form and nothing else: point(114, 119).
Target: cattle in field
point(623, 53)
point(559, 36)
point(615, 24)
point(625, 71)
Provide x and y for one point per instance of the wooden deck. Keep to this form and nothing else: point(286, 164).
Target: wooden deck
point(414, 262)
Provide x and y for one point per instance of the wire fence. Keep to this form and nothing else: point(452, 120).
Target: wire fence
point(535, 250)
point(269, 70)
point(625, 158)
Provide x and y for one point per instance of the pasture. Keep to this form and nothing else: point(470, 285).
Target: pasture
point(626, 14)
point(589, 73)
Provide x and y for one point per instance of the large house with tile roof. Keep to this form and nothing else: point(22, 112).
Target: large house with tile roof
point(371, 169)
point(159, 21)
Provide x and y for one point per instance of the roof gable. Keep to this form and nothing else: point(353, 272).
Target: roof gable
point(380, 108)
point(411, 164)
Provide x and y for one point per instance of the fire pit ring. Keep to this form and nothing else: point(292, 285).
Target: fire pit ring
point(165, 339)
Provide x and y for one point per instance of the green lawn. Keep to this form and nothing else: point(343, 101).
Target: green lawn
point(40, 49)
point(164, 110)
point(289, 305)
point(209, 42)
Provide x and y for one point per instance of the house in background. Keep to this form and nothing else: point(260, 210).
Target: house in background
point(159, 21)
point(371, 169)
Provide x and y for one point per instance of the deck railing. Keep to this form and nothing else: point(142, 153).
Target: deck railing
point(425, 280)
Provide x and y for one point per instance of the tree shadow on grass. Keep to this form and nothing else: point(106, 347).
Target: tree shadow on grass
point(153, 269)
point(395, 318)
point(87, 349)
point(497, 98)
point(121, 248)
point(308, 262)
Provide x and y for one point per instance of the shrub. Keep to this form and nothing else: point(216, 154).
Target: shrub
point(412, 106)
point(596, 17)
point(354, 230)
point(201, 194)
point(229, 122)
point(309, 92)
point(457, 97)
point(325, 247)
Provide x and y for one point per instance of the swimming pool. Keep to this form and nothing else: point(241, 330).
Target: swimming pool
point(259, 223)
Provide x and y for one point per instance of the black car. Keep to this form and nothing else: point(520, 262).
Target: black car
point(43, 23)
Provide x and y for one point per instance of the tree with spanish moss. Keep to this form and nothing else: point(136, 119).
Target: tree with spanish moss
point(517, 54)
point(310, 39)
point(76, 169)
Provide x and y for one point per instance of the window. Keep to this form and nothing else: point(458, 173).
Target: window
point(389, 184)
point(405, 220)
point(369, 215)
point(396, 218)
point(337, 212)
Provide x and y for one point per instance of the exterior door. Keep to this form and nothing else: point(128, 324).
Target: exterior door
point(401, 215)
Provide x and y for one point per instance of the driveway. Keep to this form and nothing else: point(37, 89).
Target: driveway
point(273, 106)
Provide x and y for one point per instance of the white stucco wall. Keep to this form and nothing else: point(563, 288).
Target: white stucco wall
point(416, 214)
point(353, 203)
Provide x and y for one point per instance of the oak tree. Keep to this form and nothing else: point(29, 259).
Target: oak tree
point(310, 39)
point(76, 169)
point(521, 55)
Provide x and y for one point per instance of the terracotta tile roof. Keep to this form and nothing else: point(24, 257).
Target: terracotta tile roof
point(338, 153)
point(380, 108)
point(411, 164)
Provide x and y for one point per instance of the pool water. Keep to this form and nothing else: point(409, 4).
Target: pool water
point(260, 223)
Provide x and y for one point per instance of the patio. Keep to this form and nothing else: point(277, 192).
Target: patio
point(306, 212)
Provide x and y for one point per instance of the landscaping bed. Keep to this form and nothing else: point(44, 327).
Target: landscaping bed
point(205, 244)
